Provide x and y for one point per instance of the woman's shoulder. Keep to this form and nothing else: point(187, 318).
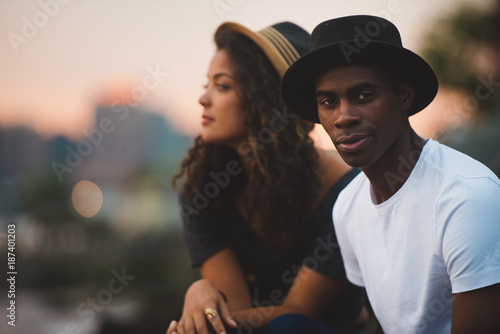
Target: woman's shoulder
point(331, 168)
point(335, 176)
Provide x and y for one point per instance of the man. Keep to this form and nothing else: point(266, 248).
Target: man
point(420, 227)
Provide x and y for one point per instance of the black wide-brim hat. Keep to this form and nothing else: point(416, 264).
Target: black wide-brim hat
point(349, 40)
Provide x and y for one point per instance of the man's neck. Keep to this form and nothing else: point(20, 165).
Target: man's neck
point(388, 174)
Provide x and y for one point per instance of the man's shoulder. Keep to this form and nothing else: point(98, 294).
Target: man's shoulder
point(459, 181)
point(356, 184)
point(452, 164)
point(353, 193)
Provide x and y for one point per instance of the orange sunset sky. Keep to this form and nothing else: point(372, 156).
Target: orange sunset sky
point(58, 59)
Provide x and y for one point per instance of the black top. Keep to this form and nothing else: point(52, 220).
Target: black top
point(270, 272)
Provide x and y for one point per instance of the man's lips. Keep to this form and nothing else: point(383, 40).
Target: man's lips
point(352, 143)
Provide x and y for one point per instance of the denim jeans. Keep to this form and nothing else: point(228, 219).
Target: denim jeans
point(295, 324)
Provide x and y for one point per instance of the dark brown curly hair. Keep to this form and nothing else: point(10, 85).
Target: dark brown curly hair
point(282, 181)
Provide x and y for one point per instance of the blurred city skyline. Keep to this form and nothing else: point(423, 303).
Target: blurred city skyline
point(62, 59)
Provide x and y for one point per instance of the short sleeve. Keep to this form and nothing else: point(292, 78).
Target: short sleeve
point(468, 222)
point(202, 237)
point(324, 254)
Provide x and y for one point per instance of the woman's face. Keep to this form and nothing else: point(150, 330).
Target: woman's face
point(223, 118)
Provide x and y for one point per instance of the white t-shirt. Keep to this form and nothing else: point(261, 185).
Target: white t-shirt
point(438, 234)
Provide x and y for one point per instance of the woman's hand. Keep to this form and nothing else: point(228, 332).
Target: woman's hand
point(200, 296)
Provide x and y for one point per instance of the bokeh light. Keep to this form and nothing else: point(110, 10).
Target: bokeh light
point(87, 198)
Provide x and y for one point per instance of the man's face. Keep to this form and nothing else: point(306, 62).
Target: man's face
point(363, 112)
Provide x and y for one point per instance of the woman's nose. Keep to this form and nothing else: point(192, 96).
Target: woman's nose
point(204, 99)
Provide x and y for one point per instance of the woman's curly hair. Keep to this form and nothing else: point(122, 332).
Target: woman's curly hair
point(282, 181)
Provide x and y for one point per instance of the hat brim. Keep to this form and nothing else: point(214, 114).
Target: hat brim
point(298, 86)
point(276, 58)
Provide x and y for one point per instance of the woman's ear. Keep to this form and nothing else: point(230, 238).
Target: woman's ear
point(407, 94)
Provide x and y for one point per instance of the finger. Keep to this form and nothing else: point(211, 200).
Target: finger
point(172, 327)
point(201, 324)
point(189, 326)
point(180, 327)
point(217, 324)
point(226, 316)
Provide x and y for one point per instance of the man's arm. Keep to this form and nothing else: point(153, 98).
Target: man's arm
point(309, 295)
point(477, 311)
point(372, 324)
point(469, 210)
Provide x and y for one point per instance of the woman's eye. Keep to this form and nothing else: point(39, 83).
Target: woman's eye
point(222, 86)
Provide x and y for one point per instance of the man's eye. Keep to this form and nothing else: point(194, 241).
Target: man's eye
point(365, 96)
point(328, 102)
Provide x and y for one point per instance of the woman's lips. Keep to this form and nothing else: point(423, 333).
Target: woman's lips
point(353, 145)
point(206, 119)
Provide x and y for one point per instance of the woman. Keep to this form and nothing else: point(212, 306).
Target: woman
point(257, 197)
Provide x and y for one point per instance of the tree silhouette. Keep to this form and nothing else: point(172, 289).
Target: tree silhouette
point(461, 49)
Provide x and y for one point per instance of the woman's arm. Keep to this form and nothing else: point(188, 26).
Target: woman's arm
point(310, 295)
point(225, 273)
point(221, 273)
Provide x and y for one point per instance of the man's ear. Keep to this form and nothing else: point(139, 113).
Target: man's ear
point(407, 94)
